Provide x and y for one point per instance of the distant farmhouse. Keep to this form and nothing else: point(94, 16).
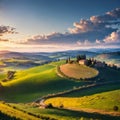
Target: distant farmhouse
point(91, 61)
point(83, 62)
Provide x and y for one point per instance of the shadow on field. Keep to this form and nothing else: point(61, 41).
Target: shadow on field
point(92, 90)
point(81, 114)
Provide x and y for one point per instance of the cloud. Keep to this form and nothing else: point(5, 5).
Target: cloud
point(114, 37)
point(6, 30)
point(109, 16)
point(98, 23)
point(95, 31)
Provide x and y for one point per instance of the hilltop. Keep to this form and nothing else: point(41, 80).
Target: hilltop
point(78, 71)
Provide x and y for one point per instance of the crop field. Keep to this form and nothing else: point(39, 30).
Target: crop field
point(78, 71)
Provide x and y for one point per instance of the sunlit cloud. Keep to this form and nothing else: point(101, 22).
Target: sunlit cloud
point(97, 31)
point(88, 32)
point(114, 37)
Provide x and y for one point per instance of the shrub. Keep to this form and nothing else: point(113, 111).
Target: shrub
point(61, 106)
point(115, 108)
point(4, 80)
point(50, 105)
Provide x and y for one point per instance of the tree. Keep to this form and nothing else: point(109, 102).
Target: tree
point(83, 56)
point(80, 57)
point(66, 61)
point(89, 62)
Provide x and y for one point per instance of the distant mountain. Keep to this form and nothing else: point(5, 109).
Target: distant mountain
point(8, 54)
point(71, 53)
point(104, 50)
point(18, 55)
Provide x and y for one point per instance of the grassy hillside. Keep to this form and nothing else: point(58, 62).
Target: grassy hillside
point(36, 82)
point(78, 71)
point(109, 74)
point(101, 101)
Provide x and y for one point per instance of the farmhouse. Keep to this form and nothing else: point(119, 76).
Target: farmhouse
point(83, 62)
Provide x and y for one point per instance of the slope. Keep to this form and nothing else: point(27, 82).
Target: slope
point(33, 83)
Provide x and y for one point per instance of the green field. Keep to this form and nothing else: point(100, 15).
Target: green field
point(78, 71)
point(28, 85)
point(101, 101)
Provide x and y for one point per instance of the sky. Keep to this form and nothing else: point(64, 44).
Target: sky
point(57, 25)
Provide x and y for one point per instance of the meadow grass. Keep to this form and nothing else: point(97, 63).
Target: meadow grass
point(102, 101)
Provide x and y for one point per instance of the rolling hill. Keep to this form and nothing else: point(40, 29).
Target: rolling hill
point(36, 82)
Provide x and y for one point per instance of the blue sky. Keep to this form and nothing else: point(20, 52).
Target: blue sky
point(38, 18)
